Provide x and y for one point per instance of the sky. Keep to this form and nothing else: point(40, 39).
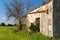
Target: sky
point(3, 17)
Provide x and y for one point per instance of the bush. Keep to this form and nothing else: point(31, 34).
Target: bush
point(9, 25)
point(33, 27)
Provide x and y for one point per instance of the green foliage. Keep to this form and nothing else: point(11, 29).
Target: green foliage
point(26, 25)
point(7, 33)
point(35, 27)
point(37, 24)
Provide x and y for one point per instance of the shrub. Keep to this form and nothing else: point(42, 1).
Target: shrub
point(10, 25)
point(33, 27)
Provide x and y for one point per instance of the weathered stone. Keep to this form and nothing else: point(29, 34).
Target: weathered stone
point(49, 15)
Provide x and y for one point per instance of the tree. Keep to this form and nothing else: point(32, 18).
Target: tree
point(2, 24)
point(16, 9)
point(10, 25)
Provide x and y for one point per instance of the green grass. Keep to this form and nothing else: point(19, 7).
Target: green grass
point(7, 33)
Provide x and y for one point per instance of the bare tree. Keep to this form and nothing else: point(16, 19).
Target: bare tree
point(17, 10)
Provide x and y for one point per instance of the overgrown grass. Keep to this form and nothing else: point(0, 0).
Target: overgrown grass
point(7, 33)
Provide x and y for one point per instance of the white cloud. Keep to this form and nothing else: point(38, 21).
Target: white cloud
point(4, 19)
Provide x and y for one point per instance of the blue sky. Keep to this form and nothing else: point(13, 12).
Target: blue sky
point(3, 10)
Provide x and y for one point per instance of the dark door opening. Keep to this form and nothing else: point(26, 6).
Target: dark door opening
point(37, 23)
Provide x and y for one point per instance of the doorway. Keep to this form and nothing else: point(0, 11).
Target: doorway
point(37, 23)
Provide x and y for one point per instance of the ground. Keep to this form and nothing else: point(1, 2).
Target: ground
point(7, 33)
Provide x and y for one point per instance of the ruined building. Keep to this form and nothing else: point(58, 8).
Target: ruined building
point(49, 16)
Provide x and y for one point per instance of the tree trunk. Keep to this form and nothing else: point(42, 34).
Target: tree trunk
point(20, 26)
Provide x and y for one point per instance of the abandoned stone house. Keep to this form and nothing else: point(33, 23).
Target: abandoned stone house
point(49, 16)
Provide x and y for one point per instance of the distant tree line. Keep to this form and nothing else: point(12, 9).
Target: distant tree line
point(3, 24)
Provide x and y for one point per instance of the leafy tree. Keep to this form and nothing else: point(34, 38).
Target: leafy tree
point(2, 24)
point(10, 24)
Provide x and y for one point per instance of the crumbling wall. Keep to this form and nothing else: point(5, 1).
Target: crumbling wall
point(46, 20)
point(56, 17)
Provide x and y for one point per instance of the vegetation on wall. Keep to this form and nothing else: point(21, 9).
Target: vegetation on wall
point(35, 27)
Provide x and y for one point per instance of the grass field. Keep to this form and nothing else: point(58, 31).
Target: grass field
point(7, 33)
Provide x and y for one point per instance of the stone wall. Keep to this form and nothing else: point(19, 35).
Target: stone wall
point(32, 17)
point(56, 17)
point(46, 18)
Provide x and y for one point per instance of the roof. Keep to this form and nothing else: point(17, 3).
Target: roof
point(36, 10)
